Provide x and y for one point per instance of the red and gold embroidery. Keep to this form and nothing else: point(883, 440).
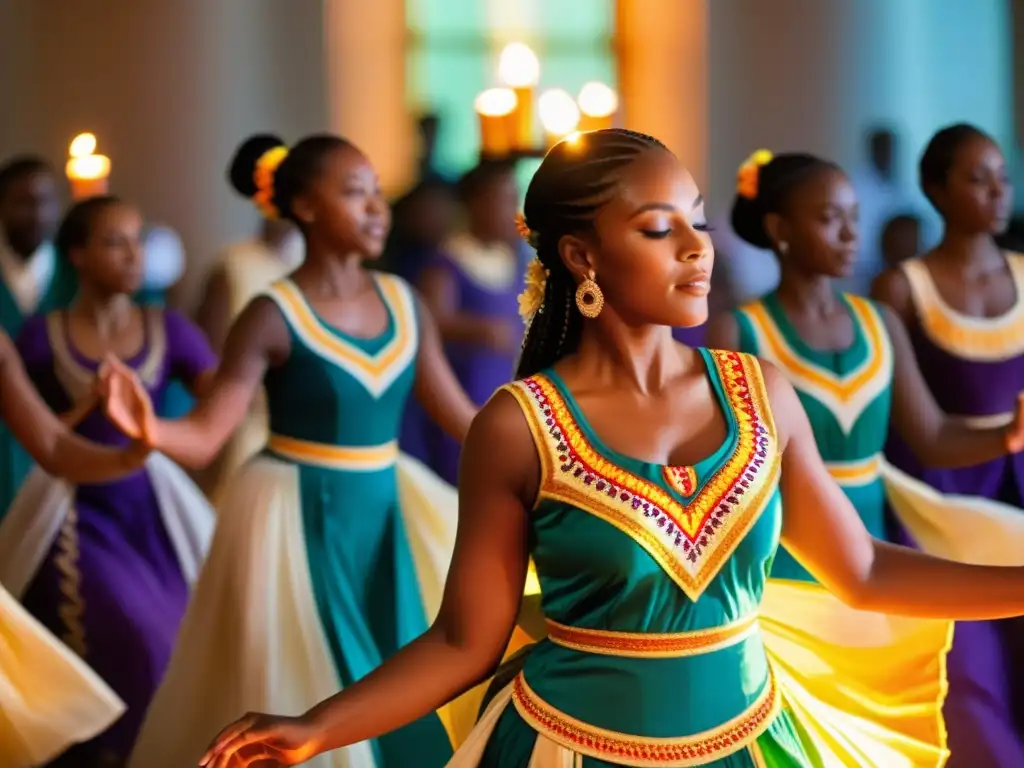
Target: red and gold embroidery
point(639, 645)
point(639, 751)
point(683, 480)
point(690, 541)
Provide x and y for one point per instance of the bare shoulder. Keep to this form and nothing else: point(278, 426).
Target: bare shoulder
point(500, 445)
point(260, 329)
point(892, 289)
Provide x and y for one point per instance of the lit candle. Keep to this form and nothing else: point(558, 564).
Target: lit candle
point(496, 109)
point(558, 114)
point(519, 69)
point(598, 105)
point(87, 172)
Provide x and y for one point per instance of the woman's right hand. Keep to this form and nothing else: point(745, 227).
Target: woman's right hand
point(126, 402)
point(264, 740)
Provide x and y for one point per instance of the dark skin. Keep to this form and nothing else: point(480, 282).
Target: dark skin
point(820, 229)
point(968, 267)
point(491, 218)
point(104, 323)
point(653, 260)
point(214, 315)
point(29, 211)
point(345, 221)
point(49, 441)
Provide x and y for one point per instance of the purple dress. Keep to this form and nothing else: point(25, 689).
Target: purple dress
point(486, 287)
point(974, 368)
point(111, 586)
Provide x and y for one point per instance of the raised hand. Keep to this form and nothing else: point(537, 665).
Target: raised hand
point(264, 741)
point(126, 402)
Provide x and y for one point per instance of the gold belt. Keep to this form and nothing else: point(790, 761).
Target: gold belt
point(855, 473)
point(361, 458)
point(649, 645)
point(642, 751)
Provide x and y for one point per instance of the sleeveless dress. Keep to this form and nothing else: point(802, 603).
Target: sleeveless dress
point(318, 570)
point(847, 397)
point(250, 268)
point(664, 646)
point(107, 567)
point(974, 368)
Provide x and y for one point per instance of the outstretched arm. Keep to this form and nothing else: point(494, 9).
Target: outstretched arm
point(437, 389)
point(471, 632)
point(257, 340)
point(822, 530)
point(937, 439)
point(47, 439)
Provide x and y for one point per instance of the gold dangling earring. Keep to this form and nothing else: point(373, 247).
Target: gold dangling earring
point(589, 299)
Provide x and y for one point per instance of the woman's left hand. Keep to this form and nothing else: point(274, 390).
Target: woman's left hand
point(1015, 430)
point(263, 740)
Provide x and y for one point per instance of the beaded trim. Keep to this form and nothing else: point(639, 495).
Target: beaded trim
point(639, 751)
point(651, 645)
point(691, 541)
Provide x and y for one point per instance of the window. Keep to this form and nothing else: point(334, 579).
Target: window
point(454, 48)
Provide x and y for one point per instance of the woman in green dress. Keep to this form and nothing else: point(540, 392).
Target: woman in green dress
point(848, 358)
point(329, 553)
point(647, 480)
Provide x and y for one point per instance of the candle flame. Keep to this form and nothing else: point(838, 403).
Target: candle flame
point(598, 100)
point(558, 112)
point(518, 66)
point(83, 145)
point(496, 102)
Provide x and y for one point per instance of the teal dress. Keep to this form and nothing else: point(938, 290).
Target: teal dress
point(847, 396)
point(651, 580)
point(363, 577)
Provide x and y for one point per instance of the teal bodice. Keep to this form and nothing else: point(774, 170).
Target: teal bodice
point(337, 389)
point(846, 394)
point(651, 579)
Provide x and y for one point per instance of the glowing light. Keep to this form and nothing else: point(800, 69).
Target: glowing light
point(558, 112)
point(496, 102)
point(518, 66)
point(83, 145)
point(598, 100)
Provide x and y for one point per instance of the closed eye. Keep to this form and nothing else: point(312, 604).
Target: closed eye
point(656, 234)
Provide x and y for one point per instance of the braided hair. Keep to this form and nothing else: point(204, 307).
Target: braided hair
point(292, 177)
point(777, 180)
point(575, 179)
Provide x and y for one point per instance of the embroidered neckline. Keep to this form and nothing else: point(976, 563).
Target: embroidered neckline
point(691, 541)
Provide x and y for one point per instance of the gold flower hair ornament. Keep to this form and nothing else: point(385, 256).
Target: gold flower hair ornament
point(749, 172)
point(532, 297)
point(263, 178)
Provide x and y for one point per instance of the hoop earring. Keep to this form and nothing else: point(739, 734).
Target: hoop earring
point(589, 299)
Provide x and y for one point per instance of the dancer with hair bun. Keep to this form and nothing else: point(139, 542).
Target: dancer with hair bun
point(331, 549)
point(651, 483)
